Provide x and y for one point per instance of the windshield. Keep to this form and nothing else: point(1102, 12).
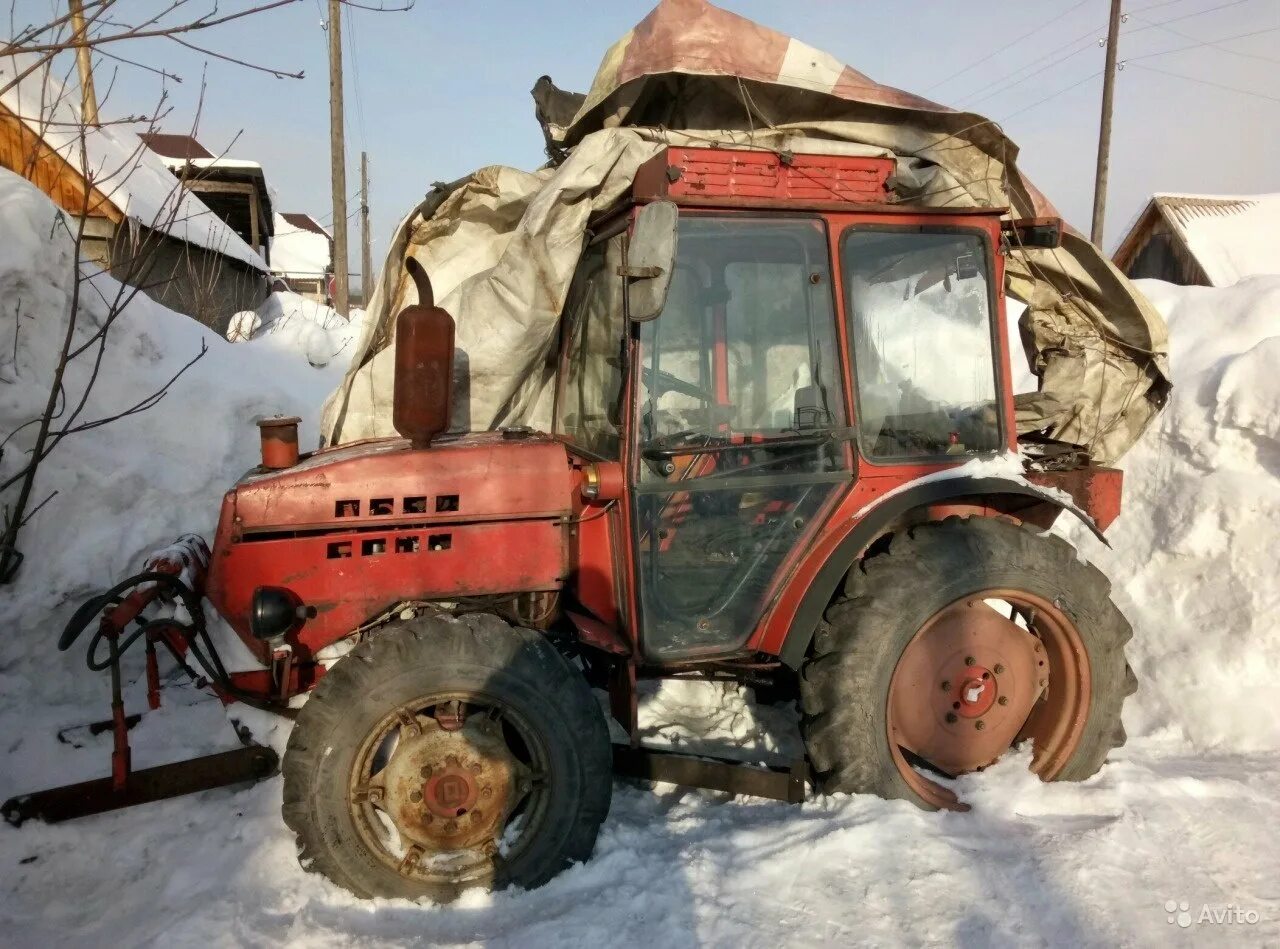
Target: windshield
point(920, 309)
point(744, 351)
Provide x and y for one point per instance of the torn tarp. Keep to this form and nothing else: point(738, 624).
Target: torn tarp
point(501, 245)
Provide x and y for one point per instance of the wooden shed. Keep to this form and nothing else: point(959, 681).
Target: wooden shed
point(1202, 240)
point(140, 223)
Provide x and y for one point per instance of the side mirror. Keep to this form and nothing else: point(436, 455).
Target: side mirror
point(1034, 232)
point(650, 260)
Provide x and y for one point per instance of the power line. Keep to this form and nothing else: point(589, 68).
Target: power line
point(1213, 44)
point(1051, 96)
point(1089, 37)
point(353, 45)
point(1011, 43)
point(1031, 75)
point(1207, 82)
point(1185, 16)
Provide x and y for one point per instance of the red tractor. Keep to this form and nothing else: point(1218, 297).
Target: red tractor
point(776, 390)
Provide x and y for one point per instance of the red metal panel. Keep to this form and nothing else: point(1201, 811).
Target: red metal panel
point(354, 530)
point(1096, 490)
point(678, 173)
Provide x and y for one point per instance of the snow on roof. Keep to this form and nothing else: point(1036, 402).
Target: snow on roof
point(132, 177)
point(1230, 236)
point(297, 250)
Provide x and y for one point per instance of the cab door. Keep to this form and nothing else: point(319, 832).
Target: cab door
point(739, 440)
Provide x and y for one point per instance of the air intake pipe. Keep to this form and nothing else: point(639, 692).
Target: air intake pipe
point(424, 365)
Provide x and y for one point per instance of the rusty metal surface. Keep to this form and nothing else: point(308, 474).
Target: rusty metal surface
point(151, 784)
point(1096, 490)
point(678, 173)
point(450, 788)
point(379, 526)
point(279, 437)
point(424, 365)
point(716, 774)
point(964, 687)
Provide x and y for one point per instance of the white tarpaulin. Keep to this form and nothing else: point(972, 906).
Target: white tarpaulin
point(501, 245)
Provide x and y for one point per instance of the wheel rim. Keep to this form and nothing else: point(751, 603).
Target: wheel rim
point(448, 788)
point(993, 669)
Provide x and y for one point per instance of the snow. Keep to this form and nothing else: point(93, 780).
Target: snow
point(297, 252)
point(291, 325)
point(132, 177)
point(1231, 236)
point(1187, 812)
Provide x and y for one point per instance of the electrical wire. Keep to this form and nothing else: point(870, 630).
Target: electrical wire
point(1052, 96)
point(1207, 82)
point(1009, 45)
point(1212, 44)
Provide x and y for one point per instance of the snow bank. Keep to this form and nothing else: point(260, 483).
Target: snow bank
point(1194, 553)
point(130, 486)
point(291, 324)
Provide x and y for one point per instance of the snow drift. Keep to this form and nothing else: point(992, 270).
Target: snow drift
point(1186, 812)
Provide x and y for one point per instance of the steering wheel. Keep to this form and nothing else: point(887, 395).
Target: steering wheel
point(663, 381)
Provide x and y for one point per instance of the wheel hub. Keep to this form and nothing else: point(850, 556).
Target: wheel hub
point(965, 686)
point(451, 788)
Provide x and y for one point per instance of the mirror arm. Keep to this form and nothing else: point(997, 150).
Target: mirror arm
point(639, 273)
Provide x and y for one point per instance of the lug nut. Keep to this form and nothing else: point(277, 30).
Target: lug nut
point(474, 767)
point(999, 670)
point(946, 685)
point(951, 718)
point(969, 660)
point(415, 796)
point(1003, 700)
point(980, 725)
point(426, 771)
point(486, 791)
point(450, 826)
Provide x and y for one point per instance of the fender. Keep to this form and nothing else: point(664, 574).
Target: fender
point(872, 521)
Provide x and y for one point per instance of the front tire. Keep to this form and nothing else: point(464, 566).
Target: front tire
point(916, 669)
point(444, 753)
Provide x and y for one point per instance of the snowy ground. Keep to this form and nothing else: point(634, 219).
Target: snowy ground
point(1188, 812)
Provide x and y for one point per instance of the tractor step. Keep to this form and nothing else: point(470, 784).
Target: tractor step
point(777, 782)
point(151, 784)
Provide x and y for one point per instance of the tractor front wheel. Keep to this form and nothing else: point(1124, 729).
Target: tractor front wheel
point(445, 753)
point(953, 643)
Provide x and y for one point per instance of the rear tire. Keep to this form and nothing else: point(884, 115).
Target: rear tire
point(478, 655)
point(888, 599)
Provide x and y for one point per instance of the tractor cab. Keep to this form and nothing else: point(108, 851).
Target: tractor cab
point(751, 337)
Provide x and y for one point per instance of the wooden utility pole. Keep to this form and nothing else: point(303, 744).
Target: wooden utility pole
point(1104, 130)
point(366, 251)
point(88, 97)
point(337, 161)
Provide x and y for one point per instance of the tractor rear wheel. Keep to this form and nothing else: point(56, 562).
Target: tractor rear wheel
point(954, 642)
point(445, 753)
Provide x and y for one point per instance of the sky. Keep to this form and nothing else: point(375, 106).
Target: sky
point(442, 89)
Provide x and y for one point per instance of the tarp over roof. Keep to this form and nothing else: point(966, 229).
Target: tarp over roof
point(501, 245)
point(132, 177)
point(1230, 236)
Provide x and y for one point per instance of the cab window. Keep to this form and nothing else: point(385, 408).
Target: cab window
point(588, 410)
point(924, 358)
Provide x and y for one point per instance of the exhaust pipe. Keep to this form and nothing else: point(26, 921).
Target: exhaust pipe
point(279, 441)
point(424, 365)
